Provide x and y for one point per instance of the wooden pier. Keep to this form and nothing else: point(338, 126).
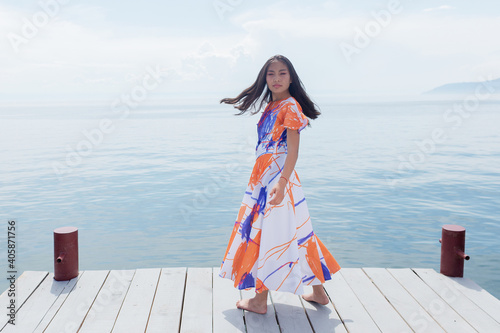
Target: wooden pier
point(197, 300)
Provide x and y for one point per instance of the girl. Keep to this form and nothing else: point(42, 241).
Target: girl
point(272, 245)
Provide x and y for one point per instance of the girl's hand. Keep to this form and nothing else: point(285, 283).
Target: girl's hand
point(278, 191)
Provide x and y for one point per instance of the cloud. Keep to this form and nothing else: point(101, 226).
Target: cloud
point(294, 24)
point(443, 7)
point(83, 51)
point(411, 52)
point(447, 36)
point(84, 56)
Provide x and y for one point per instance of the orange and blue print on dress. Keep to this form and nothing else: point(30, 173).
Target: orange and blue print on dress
point(288, 265)
point(301, 201)
point(236, 227)
point(329, 259)
point(258, 208)
point(248, 251)
point(293, 117)
point(262, 165)
point(260, 286)
point(267, 131)
point(244, 260)
point(247, 281)
point(319, 269)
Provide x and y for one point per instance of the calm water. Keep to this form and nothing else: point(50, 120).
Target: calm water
point(163, 187)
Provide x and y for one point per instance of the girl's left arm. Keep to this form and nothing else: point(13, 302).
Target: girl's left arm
point(292, 142)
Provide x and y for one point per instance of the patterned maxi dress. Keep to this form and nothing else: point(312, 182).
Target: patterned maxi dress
point(275, 247)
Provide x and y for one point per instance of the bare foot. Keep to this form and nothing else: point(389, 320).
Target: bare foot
point(251, 304)
point(318, 295)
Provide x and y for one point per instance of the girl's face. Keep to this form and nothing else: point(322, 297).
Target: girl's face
point(278, 80)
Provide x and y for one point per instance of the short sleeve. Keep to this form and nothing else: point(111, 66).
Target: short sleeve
point(294, 118)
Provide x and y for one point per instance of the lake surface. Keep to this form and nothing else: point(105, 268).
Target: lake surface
point(161, 186)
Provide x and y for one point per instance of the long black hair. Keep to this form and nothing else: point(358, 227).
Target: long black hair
point(249, 98)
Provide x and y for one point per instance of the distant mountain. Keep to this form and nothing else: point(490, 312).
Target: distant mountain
point(461, 88)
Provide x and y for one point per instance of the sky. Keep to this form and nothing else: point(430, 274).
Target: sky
point(68, 50)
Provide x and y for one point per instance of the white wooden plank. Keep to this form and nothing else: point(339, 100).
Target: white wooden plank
point(413, 313)
point(421, 303)
point(37, 305)
point(290, 312)
point(102, 315)
point(470, 311)
point(430, 301)
point(26, 283)
point(166, 311)
point(324, 318)
point(136, 307)
point(197, 311)
point(74, 309)
point(350, 309)
point(478, 295)
point(260, 323)
point(381, 311)
point(226, 317)
point(49, 315)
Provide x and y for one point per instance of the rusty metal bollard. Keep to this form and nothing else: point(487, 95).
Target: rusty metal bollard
point(452, 250)
point(65, 253)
